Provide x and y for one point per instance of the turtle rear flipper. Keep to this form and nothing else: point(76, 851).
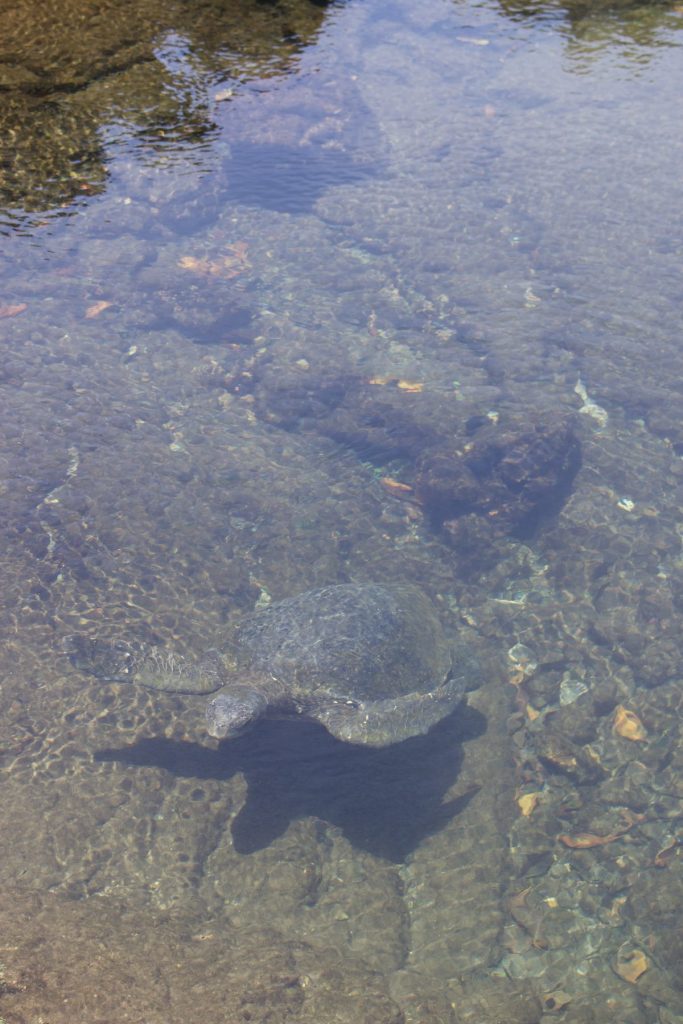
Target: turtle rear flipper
point(165, 670)
point(108, 660)
point(154, 667)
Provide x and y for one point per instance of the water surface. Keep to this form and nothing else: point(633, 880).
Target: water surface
point(298, 294)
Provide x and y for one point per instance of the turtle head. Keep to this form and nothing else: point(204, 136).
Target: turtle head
point(233, 711)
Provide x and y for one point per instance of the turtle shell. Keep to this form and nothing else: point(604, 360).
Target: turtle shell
point(354, 642)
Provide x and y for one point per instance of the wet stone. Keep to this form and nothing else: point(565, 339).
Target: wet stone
point(559, 754)
point(367, 418)
point(659, 661)
point(513, 472)
point(576, 721)
point(498, 1000)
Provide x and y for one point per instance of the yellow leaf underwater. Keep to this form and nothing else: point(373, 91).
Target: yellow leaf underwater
point(226, 267)
point(15, 310)
point(526, 803)
point(666, 854)
point(411, 386)
point(395, 486)
point(628, 725)
point(631, 963)
point(96, 308)
point(584, 840)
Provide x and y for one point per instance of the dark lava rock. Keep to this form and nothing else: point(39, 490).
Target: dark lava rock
point(480, 481)
point(372, 421)
point(641, 624)
point(659, 662)
point(513, 473)
point(204, 308)
point(563, 757)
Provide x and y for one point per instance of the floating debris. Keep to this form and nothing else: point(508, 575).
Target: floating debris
point(628, 725)
point(626, 504)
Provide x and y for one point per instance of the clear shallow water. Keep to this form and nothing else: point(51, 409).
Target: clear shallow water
point(293, 296)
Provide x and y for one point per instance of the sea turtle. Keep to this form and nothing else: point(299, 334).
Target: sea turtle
point(368, 661)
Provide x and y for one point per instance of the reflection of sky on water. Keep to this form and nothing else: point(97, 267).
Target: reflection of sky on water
point(70, 79)
point(625, 32)
point(157, 93)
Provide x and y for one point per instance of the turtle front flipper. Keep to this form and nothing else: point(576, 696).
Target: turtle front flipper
point(379, 723)
point(245, 699)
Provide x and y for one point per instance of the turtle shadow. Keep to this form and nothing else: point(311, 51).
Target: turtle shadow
point(385, 800)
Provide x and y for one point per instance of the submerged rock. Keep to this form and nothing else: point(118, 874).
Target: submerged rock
point(512, 474)
point(508, 471)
